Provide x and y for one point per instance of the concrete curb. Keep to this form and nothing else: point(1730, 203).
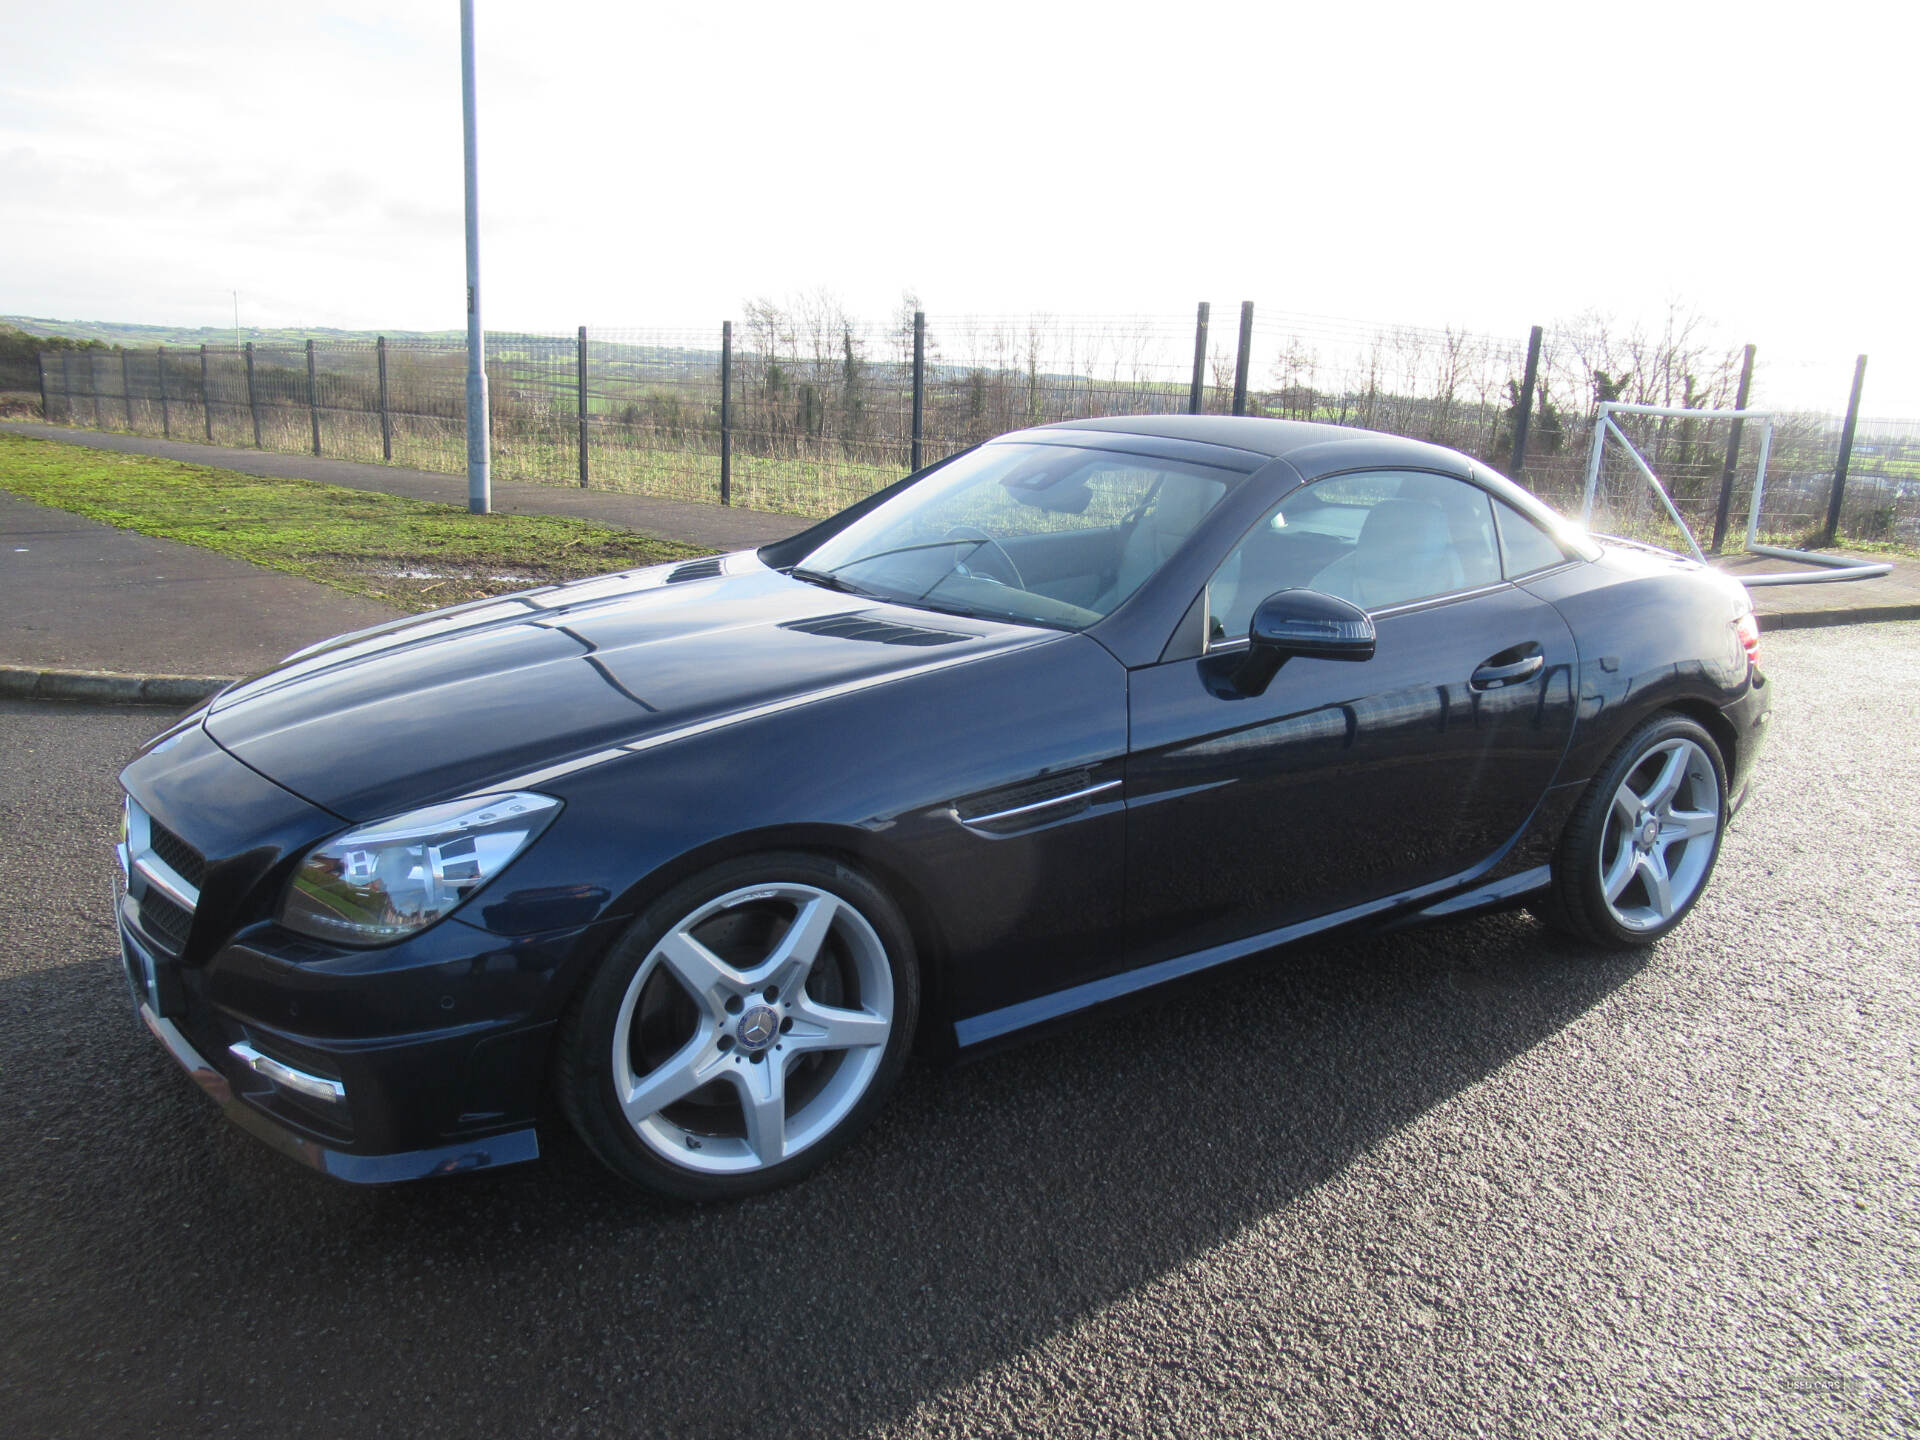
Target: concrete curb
point(100, 687)
point(1820, 619)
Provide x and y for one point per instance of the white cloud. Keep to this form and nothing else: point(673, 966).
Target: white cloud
point(1492, 165)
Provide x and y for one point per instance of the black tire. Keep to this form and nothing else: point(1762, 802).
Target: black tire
point(730, 1042)
point(1577, 901)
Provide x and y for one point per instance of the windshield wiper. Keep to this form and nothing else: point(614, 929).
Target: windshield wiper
point(828, 580)
point(983, 612)
point(902, 550)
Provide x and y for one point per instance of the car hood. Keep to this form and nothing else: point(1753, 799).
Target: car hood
point(382, 721)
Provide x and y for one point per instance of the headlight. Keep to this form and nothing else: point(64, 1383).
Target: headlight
point(384, 881)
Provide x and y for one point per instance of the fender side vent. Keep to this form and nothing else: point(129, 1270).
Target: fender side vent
point(880, 632)
point(1032, 802)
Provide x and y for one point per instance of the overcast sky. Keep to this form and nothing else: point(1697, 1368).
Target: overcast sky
point(1483, 165)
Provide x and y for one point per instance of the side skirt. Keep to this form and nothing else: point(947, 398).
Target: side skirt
point(977, 1029)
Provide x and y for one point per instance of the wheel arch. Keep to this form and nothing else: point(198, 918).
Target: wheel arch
point(846, 845)
point(1709, 719)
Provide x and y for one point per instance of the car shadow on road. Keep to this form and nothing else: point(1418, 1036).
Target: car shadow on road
point(994, 1204)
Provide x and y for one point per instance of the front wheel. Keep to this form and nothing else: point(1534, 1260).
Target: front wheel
point(1642, 842)
point(746, 1027)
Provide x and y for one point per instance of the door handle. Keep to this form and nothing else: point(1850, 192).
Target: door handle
point(1496, 677)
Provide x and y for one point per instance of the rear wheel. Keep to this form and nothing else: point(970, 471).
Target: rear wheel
point(1642, 843)
point(747, 1027)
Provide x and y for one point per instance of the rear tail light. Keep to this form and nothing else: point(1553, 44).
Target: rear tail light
point(1747, 627)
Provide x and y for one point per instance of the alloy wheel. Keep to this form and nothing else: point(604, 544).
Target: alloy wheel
point(1661, 831)
point(752, 1028)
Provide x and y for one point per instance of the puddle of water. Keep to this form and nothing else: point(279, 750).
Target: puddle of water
point(491, 577)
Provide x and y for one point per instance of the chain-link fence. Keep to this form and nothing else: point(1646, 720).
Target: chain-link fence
point(804, 409)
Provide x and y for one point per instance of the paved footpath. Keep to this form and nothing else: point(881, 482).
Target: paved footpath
point(79, 595)
point(1840, 602)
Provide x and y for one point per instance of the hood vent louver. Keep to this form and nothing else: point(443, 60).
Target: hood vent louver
point(710, 568)
point(859, 626)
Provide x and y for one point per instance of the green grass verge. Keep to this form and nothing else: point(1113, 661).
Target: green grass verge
point(409, 553)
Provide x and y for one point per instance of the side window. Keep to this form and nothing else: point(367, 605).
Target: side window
point(1523, 544)
point(1377, 539)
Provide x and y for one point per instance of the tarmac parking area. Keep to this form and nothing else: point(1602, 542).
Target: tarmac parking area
point(1459, 1181)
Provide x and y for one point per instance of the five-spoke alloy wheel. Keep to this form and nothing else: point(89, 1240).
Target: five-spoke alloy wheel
point(1639, 847)
point(747, 1026)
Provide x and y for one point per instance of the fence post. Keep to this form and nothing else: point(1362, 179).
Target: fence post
point(313, 399)
point(40, 364)
point(1528, 380)
point(1197, 391)
point(253, 399)
point(1245, 358)
point(580, 367)
point(66, 375)
point(917, 453)
point(726, 412)
point(1733, 454)
point(126, 388)
point(166, 416)
point(1846, 449)
point(206, 397)
point(386, 417)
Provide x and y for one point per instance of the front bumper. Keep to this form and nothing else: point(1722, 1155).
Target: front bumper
point(373, 1108)
point(504, 1149)
point(423, 1057)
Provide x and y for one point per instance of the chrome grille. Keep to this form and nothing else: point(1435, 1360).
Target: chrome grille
point(164, 920)
point(164, 873)
point(184, 860)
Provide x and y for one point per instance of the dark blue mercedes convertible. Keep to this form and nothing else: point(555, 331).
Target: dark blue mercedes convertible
point(702, 851)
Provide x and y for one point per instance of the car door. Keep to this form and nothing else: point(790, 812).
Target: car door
point(1344, 783)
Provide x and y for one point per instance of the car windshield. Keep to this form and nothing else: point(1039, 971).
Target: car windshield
point(1036, 534)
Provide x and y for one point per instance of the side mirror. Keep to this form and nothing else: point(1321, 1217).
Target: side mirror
point(1306, 623)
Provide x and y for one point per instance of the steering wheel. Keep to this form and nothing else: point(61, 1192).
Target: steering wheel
point(973, 532)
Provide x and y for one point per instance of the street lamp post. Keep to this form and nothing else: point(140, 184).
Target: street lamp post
point(479, 483)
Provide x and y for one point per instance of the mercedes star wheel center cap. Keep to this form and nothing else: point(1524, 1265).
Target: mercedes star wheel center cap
point(757, 1027)
point(1649, 834)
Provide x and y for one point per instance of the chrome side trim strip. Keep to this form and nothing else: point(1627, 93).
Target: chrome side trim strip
point(161, 876)
point(1050, 804)
point(1433, 602)
point(318, 1086)
point(1404, 607)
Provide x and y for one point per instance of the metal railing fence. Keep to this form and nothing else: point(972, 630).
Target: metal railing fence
point(805, 410)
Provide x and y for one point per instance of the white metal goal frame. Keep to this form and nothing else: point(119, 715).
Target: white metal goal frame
point(1831, 567)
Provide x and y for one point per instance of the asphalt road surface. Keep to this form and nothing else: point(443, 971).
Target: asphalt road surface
point(1463, 1181)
